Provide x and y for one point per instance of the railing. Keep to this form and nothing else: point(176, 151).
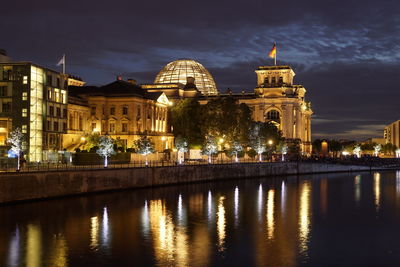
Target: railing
point(392, 163)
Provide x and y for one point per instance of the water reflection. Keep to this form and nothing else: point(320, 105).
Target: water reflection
point(94, 230)
point(304, 216)
point(33, 246)
point(398, 183)
point(236, 206)
point(357, 188)
point(58, 257)
point(270, 214)
point(209, 206)
point(221, 223)
point(145, 219)
point(260, 202)
point(14, 252)
point(324, 196)
point(377, 189)
point(105, 229)
point(283, 197)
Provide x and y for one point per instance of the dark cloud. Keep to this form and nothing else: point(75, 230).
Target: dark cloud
point(345, 53)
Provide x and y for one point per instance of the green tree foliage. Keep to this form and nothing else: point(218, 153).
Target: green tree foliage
point(224, 117)
point(143, 146)
point(186, 121)
point(389, 149)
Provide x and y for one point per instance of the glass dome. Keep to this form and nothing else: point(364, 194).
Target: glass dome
point(178, 71)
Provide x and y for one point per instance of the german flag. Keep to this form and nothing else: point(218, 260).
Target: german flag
point(272, 53)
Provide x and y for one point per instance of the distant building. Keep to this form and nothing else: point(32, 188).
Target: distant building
point(34, 99)
point(275, 98)
point(3, 56)
point(379, 141)
point(122, 110)
point(392, 133)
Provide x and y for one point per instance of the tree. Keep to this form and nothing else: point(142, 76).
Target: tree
point(335, 146)
point(398, 153)
point(106, 148)
point(236, 147)
point(210, 147)
point(144, 146)
point(377, 149)
point(93, 141)
point(284, 150)
point(262, 132)
point(186, 121)
point(357, 151)
point(15, 140)
point(182, 147)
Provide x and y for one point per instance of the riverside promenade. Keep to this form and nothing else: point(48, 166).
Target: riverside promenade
point(34, 185)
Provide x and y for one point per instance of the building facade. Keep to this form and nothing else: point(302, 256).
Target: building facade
point(33, 99)
point(392, 133)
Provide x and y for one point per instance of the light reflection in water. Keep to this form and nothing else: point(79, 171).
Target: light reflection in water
point(270, 214)
point(94, 229)
point(236, 205)
point(14, 249)
point(105, 229)
point(304, 216)
point(33, 246)
point(283, 197)
point(377, 189)
point(357, 188)
point(209, 206)
point(221, 224)
point(324, 196)
point(398, 183)
point(59, 253)
point(260, 202)
point(170, 242)
point(145, 218)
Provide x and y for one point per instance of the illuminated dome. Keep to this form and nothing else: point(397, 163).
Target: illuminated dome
point(178, 71)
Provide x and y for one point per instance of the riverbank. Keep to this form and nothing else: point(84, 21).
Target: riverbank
point(15, 187)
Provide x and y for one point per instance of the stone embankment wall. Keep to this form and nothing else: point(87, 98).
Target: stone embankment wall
point(39, 185)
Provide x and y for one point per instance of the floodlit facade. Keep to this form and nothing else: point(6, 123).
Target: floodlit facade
point(122, 109)
point(392, 133)
point(34, 99)
point(178, 71)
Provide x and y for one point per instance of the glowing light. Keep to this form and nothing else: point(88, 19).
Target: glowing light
point(221, 224)
point(83, 139)
point(221, 140)
point(345, 153)
point(260, 201)
point(357, 151)
point(270, 142)
point(145, 218)
point(377, 189)
point(377, 149)
point(14, 249)
point(283, 197)
point(105, 228)
point(180, 209)
point(398, 153)
point(163, 138)
point(59, 252)
point(270, 214)
point(209, 204)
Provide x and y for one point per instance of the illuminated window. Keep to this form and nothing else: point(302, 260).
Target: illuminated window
point(49, 94)
point(273, 115)
point(57, 95)
point(124, 127)
point(24, 128)
point(25, 80)
point(112, 127)
point(24, 96)
point(24, 112)
point(124, 110)
point(64, 96)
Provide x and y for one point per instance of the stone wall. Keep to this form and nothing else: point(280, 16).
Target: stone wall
point(39, 185)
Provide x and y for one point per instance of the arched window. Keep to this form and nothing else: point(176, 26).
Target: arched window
point(273, 115)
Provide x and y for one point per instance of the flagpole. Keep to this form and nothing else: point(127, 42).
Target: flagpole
point(276, 50)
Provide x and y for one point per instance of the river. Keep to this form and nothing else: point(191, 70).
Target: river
point(310, 220)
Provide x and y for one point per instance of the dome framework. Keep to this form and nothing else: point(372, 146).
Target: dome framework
point(178, 71)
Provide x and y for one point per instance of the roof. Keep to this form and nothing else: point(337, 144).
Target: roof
point(116, 88)
point(283, 67)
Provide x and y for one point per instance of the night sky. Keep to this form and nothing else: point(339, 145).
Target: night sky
point(345, 53)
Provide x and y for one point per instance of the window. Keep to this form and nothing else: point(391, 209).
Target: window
point(3, 90)
point(71, 122)
point(63, 97)
point(124, 110)
point(93, 110)
point(80, 123)
point(103, 110)
point(273, 115)
point(49, 94)
point(124, 127)
point(24, 96)
point(266, 80)
point(24, 128)
point(25, 80)
point(112, 127)
point(273, 80)
point(280, 80)
point(24, 112)
point(48, 126)
point(58, 82)
point(64, 126)
point(49, 80)
point(112, 111)
point(51, 111)
point(58, 112)
point(57, 95)
point(65, 113)
point(55, 126)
